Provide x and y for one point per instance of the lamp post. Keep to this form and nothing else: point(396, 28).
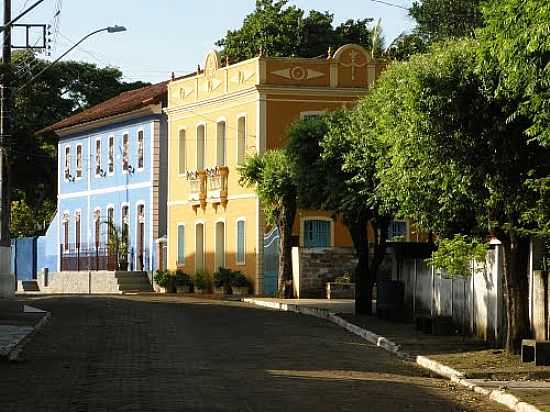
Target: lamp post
point(110, 29)
point(7, 282)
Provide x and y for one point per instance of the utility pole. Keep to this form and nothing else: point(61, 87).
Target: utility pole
point(7, 286)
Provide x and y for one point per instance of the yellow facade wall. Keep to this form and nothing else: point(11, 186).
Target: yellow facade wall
point(270, 93)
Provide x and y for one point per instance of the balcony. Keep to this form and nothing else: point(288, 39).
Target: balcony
point(197, 191)
point(217, 185)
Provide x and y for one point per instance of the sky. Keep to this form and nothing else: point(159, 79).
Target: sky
point(167, 36)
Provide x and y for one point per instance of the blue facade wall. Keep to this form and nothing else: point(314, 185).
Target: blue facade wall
point(24, 258)
point(47, 248)
point(99, 192)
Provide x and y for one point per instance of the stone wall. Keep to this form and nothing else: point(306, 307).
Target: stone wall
point(79, 282)
point(313, 267)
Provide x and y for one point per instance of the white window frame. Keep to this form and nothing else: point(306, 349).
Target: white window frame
point(138, 204)
point(237, 261)
point(224, 263)
point(67, 165)
point(109, 163)
point(77, 169)
point(203, 223)
point(178, 262)
point(239, 117)
point(125, 171)
point(98, 140)
point(142, 131)
point(323, 218)
point(110, 206)
point(185, 168)
point(97, 227)
point(218, 122)
point(202, 124)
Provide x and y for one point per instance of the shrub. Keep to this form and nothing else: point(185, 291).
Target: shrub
point(240, 280)
point(183, 279)
point(203, 280)
point(228, 278)
point(162, 278)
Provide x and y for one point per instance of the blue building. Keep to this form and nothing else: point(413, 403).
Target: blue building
point(112, 167)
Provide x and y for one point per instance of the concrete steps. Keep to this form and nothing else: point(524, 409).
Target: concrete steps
point(29, 286)
point(133, 282)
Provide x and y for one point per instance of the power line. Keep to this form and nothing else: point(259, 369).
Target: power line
point(387, 3)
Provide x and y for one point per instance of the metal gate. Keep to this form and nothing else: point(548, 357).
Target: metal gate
point(271, 262)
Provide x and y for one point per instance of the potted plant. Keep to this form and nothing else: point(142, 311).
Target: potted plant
point(162, 280)
point(223, 280)
point(240, 284)
point(183, 281)
point(202, 282)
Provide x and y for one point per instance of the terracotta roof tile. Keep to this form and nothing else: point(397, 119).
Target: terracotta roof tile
point(123, 103)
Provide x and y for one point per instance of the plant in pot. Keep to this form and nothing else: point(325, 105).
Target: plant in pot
point(202, 282)
point(162, 280)
point(240, 284)
point(184, 283)
point(223, 280)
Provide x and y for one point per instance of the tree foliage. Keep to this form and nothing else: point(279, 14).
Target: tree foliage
point(515, 45)
point(272, 177)
point(443, 19)
point(60, 91)
point(455, 256)
point(329, 177)
point(456, 161)
point(278, 29)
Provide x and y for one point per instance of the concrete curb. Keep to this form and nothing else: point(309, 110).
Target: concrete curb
point(499, 396)
point(15, 352)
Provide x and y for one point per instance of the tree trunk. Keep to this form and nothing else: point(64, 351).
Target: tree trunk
point(516, 259)
point(285, 221)
point(362, 276)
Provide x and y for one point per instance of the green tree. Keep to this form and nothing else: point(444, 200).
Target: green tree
point(25, 221)
point(321, 151)
point(60, 91)
point(444, 19)
point(272, 177)
point(456, 162)
point(277, 29)
point(515, 44)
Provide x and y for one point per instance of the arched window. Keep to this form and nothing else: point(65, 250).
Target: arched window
point(241, 139)
point(182, 152)
point(201, 146)
point(220, 144)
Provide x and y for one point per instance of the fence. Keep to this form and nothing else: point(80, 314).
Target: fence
point(82, 257)
point(475, 303)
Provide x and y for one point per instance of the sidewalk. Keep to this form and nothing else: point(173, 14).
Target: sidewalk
point(469, 359)
point(17, 323)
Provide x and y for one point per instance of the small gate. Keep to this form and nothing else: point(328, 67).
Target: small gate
point(271, 262)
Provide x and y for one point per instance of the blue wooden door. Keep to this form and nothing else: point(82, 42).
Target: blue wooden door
point(316, 233)
point(271, 262)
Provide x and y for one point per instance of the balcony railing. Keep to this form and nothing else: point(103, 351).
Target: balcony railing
point(197, 191)
point(84, 257)
point(217, 185)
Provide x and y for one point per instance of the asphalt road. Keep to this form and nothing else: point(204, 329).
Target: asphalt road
point(148, 353)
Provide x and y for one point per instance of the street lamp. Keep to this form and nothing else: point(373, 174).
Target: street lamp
point(110, 29)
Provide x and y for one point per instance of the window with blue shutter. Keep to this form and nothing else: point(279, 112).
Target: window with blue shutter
point(317, 233)
point(181, 245)
point(240, 242)
point(397, 230)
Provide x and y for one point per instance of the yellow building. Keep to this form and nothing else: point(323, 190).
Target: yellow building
point(219, 116)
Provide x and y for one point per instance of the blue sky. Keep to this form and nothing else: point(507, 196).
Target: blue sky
point(174, 35)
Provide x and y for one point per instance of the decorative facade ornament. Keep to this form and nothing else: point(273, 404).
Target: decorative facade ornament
point(353, 63)
point(185, 92)
point(243, 76)
point(298, 73)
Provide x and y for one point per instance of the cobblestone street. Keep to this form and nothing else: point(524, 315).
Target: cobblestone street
point(147, 353)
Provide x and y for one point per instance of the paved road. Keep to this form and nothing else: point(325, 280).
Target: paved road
point(175, 354)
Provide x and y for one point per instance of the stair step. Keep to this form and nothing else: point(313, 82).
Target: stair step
point(30, 286)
